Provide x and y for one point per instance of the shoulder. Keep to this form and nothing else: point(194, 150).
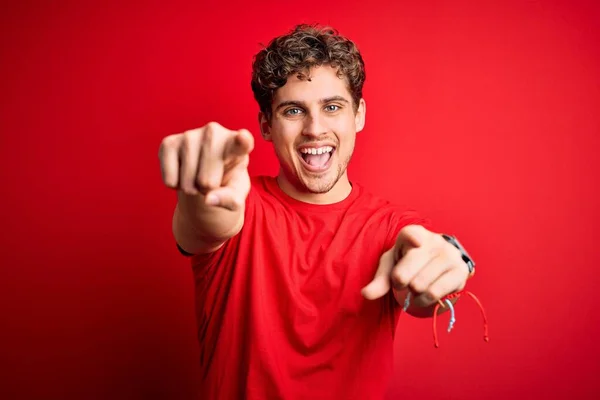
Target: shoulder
point(260, 181)
point(261, 189)
point(262, 185)
point(263, 199)
point(392, 215)
point(367, 201)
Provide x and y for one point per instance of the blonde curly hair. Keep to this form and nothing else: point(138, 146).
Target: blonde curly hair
point(306, 46)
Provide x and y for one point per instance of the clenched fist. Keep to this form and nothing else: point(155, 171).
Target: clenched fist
point(210, 162)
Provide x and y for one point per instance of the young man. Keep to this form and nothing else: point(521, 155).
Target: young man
point(300, 279)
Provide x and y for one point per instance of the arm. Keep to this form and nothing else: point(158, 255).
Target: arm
point(200, 228)
point(208, 167)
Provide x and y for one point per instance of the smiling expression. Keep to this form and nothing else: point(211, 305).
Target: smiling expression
point(313, 129)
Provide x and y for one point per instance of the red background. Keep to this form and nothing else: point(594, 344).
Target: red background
point(483, 115)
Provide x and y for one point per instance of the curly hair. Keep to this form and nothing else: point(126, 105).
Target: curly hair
point(306, 46)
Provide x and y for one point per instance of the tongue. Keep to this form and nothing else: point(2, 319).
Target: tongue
point(317, 160)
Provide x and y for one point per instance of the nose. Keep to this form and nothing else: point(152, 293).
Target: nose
point(314, 126)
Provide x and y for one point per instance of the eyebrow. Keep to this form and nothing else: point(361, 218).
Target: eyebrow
point(302, 104)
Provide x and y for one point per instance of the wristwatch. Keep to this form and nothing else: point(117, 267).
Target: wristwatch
point(465, 256)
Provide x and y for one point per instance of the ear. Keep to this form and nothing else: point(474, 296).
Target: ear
point(265, 127)
point(359, 118)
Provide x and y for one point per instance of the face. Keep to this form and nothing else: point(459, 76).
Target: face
point(313, 129)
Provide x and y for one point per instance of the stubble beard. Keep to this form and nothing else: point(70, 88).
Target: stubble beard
point(323, 184)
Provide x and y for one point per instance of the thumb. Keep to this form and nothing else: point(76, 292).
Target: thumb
point(225, 197)
point(380, 284)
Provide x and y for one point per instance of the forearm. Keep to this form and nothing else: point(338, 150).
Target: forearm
point(200, 228)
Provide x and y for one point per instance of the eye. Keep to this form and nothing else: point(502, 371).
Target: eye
point(293, 111)
point(332, 107)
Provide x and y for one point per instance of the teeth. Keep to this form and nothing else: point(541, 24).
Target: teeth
point(320, 150)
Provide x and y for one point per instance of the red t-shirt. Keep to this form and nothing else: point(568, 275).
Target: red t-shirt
point(279, 307)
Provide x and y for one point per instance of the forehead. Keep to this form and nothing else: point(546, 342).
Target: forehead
point(324, 82)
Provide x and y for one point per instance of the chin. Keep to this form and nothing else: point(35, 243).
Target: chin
point(321, 183)
point(316, 187)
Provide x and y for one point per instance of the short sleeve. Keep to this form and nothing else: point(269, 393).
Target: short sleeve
point(399, 218)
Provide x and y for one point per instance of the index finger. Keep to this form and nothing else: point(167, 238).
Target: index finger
point(241, 144)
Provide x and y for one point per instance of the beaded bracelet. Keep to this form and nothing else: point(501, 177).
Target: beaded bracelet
point(447, 301)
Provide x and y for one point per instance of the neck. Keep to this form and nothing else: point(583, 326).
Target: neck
point(338, 192)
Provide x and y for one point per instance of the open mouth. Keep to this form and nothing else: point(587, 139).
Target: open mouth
point(316, 158)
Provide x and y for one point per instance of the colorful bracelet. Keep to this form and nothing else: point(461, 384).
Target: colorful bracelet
point(446, 300)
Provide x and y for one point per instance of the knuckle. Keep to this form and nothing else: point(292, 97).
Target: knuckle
point(212, 131)
point(188, 190)
point(418, 285)
point(451, 252)
point(191, 133)
point(202, 181)
point(439, 240)
point(189, 137)
point(170, 182)
point(193, 136)
point(408, 251)
point(169, 142)
point(205, 182)
point(400, 277)
point(456, 252)
point(212, 126)
point(213, 137)
point(209, 134)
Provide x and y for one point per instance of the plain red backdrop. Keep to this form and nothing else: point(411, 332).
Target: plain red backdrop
point(482, 115)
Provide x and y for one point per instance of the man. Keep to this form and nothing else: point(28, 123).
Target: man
point(300, 279)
